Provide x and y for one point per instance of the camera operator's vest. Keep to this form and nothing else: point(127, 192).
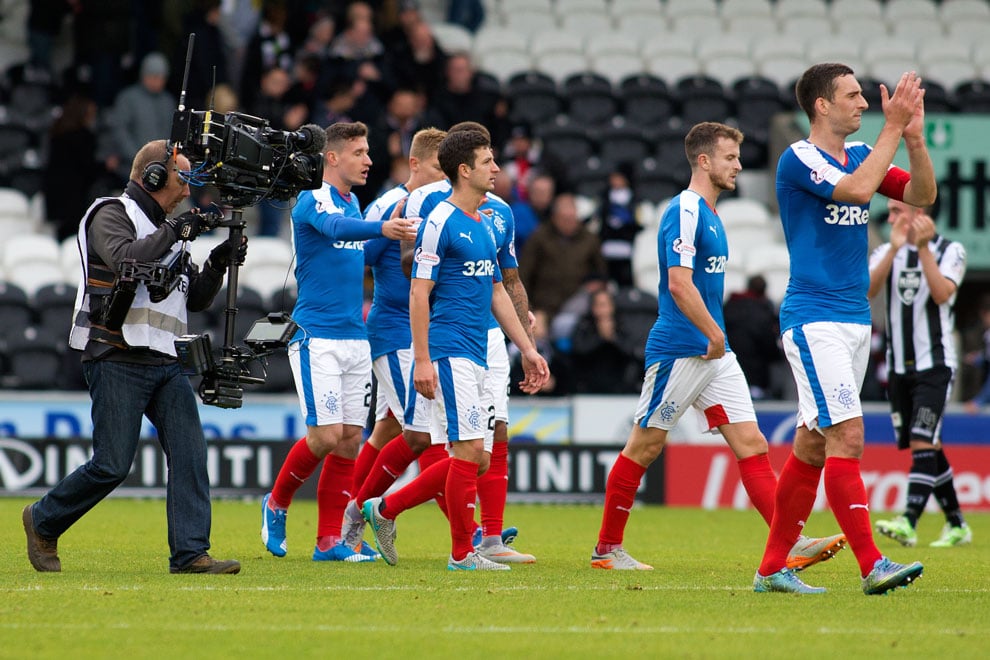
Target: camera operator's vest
point(147, 324)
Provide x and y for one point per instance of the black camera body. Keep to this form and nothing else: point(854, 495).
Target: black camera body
point(245, 159)
point(224, 374)
point(161, 278)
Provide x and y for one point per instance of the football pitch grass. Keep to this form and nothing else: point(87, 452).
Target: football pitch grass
point(116, 599)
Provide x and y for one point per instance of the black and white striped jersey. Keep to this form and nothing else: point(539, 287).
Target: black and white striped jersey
point(919, 332)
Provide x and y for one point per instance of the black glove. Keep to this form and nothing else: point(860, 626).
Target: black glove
point(186, 226)
point(222, 255)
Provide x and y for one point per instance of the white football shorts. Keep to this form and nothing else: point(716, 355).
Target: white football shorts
point(462, 409)
point(497, 376)
point(333, 380)
point(716, 388)
point(829, 362)
point(392, 372)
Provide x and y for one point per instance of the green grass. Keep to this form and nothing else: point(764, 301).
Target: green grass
point(115, 597)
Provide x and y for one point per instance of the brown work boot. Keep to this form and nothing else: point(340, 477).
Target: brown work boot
point(42, 552)
point(207, 564)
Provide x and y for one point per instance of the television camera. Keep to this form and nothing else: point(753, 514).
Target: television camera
point(247, 161)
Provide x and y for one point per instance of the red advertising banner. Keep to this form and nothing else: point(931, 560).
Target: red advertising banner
point(707, 476)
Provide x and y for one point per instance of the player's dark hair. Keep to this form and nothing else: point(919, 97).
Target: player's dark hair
point(704, 137)
point(457, 149)
point(470, 126)
point(818, 82)
point(338, 134)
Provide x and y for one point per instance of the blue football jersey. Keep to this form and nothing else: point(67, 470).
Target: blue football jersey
point(691, 235)
point(827, 240)
point(329, 233)
point(496, 212)
point(388, 318)
point(458, 253)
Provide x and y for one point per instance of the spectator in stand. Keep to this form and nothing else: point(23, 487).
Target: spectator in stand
point(460, 99)
point(391, 137)
point(618, 226)
point(535, 210)
point(357, 52)
point(319, 37)
point(417, 60)
point(574, 309)
point(559, 256)
point(269, 47)
point(559, 383)
point(525, 159)
point(142, 112)
point(209, 64)
point(335, 100)
point(469, 13)
point(752, 328)
point(72, 167)
point(102, 38)
point(44, 22)
point(604, 357)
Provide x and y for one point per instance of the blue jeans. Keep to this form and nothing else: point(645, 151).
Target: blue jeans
point(122, 394)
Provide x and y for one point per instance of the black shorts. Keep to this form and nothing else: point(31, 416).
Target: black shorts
point(919, 399)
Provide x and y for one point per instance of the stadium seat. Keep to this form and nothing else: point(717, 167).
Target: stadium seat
point(492, 38)
point(696, 24)
point(15, 309)
point(611, 42)
point(29, 248)
point(887, 49)
point(568, 141)
point(861, 29)
point(560, 65)
point(636, 314)
point(619, 144)
point(32, 275)
point(34, 360)
point(655, 184)
point(973, 96)
point(727, 69)
point(757, 99)
point(646, 100)
point(31, 104)
point(969, 31)
point(740, 212)
point(702, 98)
point(854, 10)
point(785, 9)
point(584, 6)
point(917, 29)
point(803, 25)
point(504, 64)
point(616, 66)
point(728, 44)
point(590, 99)
point(53, 305)
point(963, 10)
point(754, 27)
point(278, 374)
point(13, 203)
point(620, 8)
point(531, 22)
point(15, 140)
point(589, 179)
point(899, 10)
point(947, 73)
point(729, 9)
point(673, 68)
point(586, 23)
point(452, 37)
point(783, 72)
point(68, 258)
point(555, 41)
point(644, 27)
point(677, 8)
point(534, 103)
point(937, 97)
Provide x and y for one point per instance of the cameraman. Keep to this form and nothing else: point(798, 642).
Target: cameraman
point(132, 370)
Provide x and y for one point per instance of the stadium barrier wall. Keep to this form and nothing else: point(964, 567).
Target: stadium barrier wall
point(562, 450)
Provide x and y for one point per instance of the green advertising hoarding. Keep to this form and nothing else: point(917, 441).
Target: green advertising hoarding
point(960, 149)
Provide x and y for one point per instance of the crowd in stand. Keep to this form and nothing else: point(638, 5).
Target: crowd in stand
point(294, 62)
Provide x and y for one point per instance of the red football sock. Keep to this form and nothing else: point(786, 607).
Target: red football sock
point(297, 468)
point(435, 454)
point(421, 489)
point(493, 486)
point(847, 498)
point(797, 487)
point(461, 492)
point(760, 483)
point(620, 494)
point(332, 494)
point(392, 461)
point(362, 466)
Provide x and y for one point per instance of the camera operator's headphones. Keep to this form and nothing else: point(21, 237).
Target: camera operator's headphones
point(155, 175)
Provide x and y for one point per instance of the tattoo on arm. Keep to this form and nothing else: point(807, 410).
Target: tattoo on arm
point(520, 300)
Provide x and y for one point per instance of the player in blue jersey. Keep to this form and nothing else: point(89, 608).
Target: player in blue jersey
point(688, 362)
point(456, 285)
point(392, 445)
point(329, 356)
point(824, 187)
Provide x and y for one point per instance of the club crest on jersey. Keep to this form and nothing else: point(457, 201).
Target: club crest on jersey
point(908, 284)
point(426, 258)
point(817, 177)
point(680, 247)
point(330, 402)
point(845, 396)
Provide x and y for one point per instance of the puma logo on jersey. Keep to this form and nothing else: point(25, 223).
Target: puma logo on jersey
point(468, 237)
point(713, 230)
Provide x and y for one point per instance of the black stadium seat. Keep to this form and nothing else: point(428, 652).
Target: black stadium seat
point(590, 99)
point(646, 100)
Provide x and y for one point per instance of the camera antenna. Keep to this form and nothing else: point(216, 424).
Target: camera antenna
point(185, 74)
